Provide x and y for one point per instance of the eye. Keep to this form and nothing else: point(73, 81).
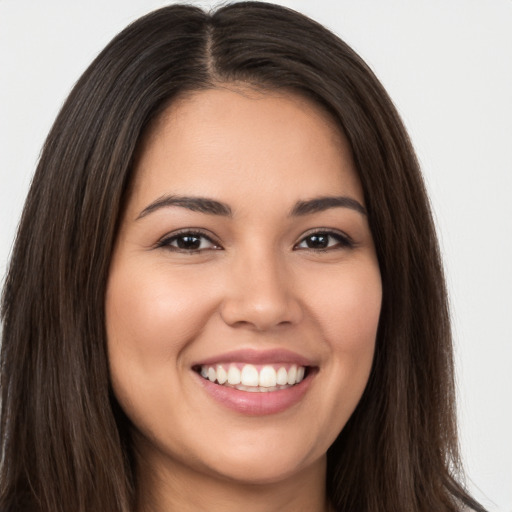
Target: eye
point(188, 241)
point(325, 240)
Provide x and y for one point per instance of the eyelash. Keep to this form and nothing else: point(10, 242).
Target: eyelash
point(167, 241)
point(342, 241)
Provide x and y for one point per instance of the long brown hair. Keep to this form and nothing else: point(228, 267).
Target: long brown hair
point(65, 443)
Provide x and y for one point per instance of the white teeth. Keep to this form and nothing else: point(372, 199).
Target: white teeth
point(222, 375)
point(268, 377)
point(233, 375)
point(282, 376)
point(249, 376)
point(250, 379)
point(292, 375)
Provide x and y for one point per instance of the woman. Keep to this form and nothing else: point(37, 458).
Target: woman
point(238, 299)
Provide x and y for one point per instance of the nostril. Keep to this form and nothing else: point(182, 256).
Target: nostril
point(260, 315)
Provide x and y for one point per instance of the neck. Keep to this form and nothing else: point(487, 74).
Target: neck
point(165, 485)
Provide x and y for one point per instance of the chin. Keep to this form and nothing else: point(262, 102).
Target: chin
point(263, 470)
point(263, 457)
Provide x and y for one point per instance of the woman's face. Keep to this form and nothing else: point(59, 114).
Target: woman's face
point(244, 290)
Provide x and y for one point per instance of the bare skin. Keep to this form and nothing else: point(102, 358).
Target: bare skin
point(178, 491)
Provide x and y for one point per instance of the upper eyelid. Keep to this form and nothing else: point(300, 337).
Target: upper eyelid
point(327, 231)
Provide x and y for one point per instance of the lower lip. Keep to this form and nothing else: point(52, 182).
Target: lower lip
point(257, 403)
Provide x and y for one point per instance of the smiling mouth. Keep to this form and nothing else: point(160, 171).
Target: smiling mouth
point(253, 378)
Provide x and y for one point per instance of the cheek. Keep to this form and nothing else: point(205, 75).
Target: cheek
point(347, 307)
point(347, 315)
point(151, 317)
point(151, 310)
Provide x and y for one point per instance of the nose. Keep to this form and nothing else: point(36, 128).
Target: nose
point(260, 295)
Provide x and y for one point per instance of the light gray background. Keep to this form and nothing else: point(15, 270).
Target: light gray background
point(448, 66)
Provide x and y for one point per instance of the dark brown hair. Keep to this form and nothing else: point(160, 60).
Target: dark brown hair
point(65, 444)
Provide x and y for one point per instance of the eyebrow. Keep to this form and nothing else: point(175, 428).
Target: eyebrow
point(213, 207)
point(196, 204)
point(320, 204)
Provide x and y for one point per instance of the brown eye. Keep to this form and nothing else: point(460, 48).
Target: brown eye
point(317, 241)
point(324, 240)
point(188, 242)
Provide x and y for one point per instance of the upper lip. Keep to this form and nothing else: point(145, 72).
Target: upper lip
point(255, 356)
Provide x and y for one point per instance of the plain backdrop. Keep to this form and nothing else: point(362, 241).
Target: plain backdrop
point(447, 64)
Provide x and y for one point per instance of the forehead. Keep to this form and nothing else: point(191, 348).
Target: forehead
point(230, 143)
